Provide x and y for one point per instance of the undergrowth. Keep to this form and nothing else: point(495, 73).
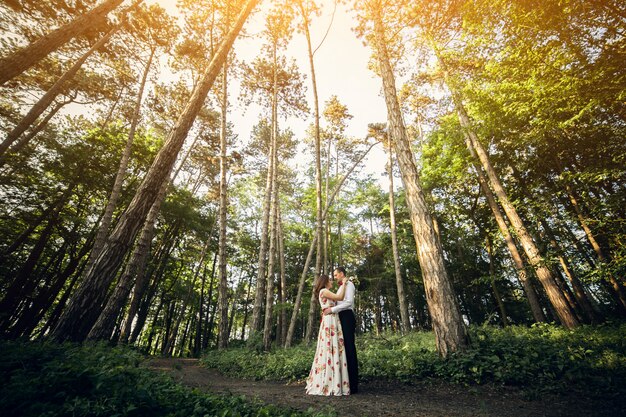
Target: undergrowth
point(543, 357)
point(51, 380)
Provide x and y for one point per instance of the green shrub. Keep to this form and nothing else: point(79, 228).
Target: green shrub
point(543, 356)
point(97, 380)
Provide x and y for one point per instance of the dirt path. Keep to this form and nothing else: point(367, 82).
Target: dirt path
point(384, 398)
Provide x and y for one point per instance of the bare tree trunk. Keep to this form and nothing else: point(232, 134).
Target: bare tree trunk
point(305, 269)
point(579, 291)
point(137, 264)
point(282, 291)
point(245, 307)
point(494, 287)
point(24, 282)
point(269, 297)
point(197, 346)
point(223, 276)
point(450, 332)
point(257, 309)
point(556, 297)
point(44, 102)
point(531, 294)
point(21, 60)
point(318, 165)
point(45, 299)
point(404, 309)
point(103, 231)
point(617, 288)
point(134, 268)
point(82, 310)
point(24, 140)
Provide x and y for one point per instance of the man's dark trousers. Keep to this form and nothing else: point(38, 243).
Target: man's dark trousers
point(348, 325)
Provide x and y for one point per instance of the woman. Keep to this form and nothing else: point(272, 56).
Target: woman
point(329, 372)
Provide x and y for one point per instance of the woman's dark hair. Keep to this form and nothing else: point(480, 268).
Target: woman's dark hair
point(321, 283)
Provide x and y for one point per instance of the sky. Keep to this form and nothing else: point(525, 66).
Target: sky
point(341, 66)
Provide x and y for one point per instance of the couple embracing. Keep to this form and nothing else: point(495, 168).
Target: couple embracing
point(335, 367)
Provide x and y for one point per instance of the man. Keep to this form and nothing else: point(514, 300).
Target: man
point(348, 324)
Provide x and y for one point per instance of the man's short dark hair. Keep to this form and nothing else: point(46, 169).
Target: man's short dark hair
point(341, 269)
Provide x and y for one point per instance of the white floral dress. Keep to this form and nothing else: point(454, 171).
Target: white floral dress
point(329, 372)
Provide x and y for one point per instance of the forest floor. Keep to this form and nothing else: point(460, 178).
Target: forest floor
point(390, 398)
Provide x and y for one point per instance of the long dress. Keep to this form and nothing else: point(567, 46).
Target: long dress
point(329, 372)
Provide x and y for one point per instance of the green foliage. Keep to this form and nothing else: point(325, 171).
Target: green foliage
point(541, 357)
point(97, 380)
point(280, 364)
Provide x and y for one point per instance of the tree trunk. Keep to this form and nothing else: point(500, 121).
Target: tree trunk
point(211, 305)
point(82, 311)
point(24, 282)
point(579, 291)
point(556, 297)
point(21, 60)
point(282, 291)
point(245, 307)
point(494, 287)
point(450, 332)
point(24, 140)
point(269, 296)
point(329, 202)
point(105, 224)
point(404, 310)
point(223, 277)
point(46, 298)
point(318, 164)
point(197, 347)
point(531, 294)
point(44, 102)
point(261, 279)
point(617, 288)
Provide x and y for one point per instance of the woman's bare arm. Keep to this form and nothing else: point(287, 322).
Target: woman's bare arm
point(335, 297)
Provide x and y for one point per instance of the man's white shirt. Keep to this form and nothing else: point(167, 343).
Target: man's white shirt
point(348, 300)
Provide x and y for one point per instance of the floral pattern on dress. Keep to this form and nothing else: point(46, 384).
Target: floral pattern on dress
point(329, 372)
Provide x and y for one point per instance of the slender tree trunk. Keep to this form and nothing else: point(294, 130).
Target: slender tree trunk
point(245, 307)
point(24, 58)
point(46, 100)
point(556, 297)
point(82, 311)
point(112, 108)
point(103, 231)
point(450, 332)
point(494, 287)
point(24, 140)
point(261, 279)
point(282, 291)
point(25, 282)
point(223, 276)
point(579, 292)
point(212, 306)
point(520, 268)
point(197, 347)
point(46, 298)
point(137, 265)
point(318, 164)
point(269, 297)
point(618, 290)
point(404, 310)
point(305, 269)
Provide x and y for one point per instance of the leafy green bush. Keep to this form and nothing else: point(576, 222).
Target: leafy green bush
point(62, 380)
point(543, 356)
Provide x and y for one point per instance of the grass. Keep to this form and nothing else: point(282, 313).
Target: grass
point(542, 357)
point(52, 380)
